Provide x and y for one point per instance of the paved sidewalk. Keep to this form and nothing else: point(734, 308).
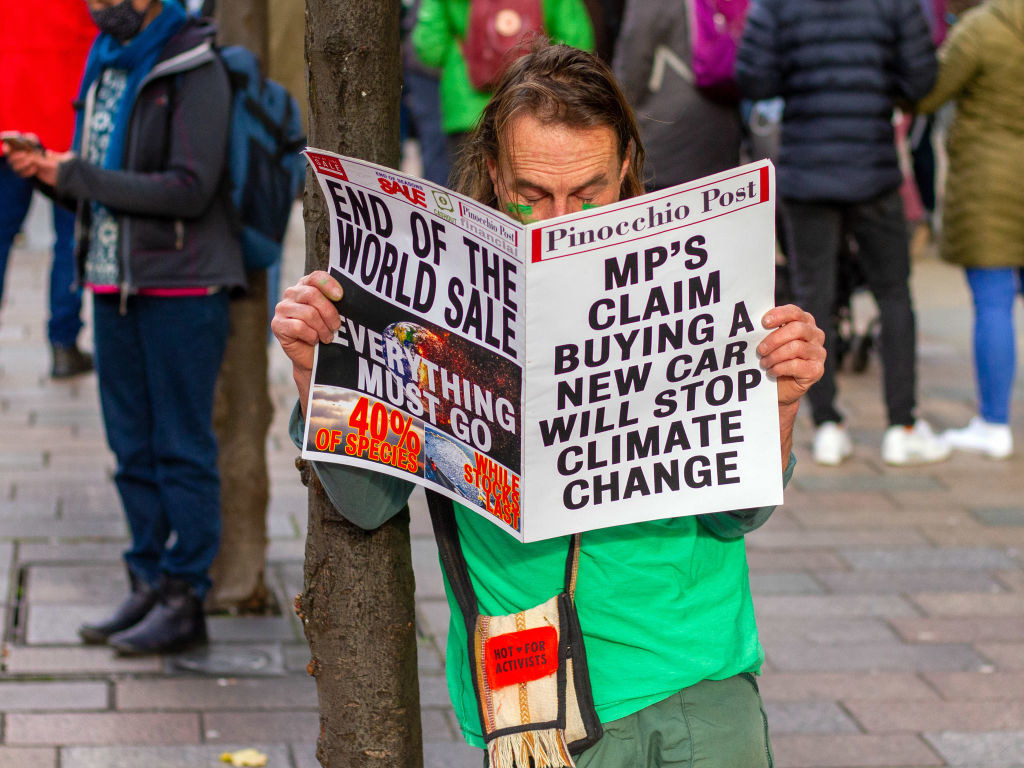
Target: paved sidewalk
point(891, 602)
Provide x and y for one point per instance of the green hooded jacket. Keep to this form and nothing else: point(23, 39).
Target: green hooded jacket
point(438, 36)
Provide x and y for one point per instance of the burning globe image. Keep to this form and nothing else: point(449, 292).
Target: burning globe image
point(416, 342)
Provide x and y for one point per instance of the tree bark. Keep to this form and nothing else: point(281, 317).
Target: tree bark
point(242, 409)
point(357, 606)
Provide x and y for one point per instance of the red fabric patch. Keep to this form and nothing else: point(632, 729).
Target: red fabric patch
point(518, 657)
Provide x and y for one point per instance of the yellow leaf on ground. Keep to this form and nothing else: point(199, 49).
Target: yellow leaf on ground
point(245, 758)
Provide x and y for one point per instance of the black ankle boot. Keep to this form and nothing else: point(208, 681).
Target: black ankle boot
point(69, 362)
point(176, 622)
point(129, 613)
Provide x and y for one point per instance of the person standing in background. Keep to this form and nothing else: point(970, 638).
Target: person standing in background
point(160, 253)
point(42, 51)
point(840, 65)
point(606, 20)
point(421, 102)
point(919, 141)
point(439, 36)
point(958, 7)
point(687, 135)
point(982, 70)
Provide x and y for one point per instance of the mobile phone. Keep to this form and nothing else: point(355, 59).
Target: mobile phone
point(20, 142)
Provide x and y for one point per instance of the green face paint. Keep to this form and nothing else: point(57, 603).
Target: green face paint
point(589, 206)
point(519, 210)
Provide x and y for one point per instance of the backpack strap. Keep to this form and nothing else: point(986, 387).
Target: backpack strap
point(291, 116)
point(572, 565)
point(453, 560)
point(442, 518)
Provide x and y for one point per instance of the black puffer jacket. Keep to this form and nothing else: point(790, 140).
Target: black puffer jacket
point(841, 65)
point(175, 223)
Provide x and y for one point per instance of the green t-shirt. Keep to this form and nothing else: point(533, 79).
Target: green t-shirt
point(663, 605)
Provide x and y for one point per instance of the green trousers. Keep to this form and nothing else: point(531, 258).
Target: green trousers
point(714, 724)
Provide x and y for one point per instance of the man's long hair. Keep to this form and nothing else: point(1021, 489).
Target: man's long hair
point(556, 84)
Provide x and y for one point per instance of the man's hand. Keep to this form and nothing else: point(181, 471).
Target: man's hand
point(306, 315)
point(794, 355)
point(33, 163)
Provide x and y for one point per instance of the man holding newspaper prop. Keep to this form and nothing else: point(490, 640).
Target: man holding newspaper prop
point(590, 364)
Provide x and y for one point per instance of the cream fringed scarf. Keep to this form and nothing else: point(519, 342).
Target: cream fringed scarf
point(530, 700)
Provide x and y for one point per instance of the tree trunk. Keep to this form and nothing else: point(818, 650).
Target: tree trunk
point(242, 409)
point(357, 607)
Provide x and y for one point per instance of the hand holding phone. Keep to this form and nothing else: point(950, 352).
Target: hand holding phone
point(16, 141)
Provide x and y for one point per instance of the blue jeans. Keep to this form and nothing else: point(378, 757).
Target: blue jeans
point(157, 366)
point(995, 360)
point(65, 299)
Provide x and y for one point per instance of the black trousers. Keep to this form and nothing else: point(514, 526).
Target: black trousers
point(813, 231)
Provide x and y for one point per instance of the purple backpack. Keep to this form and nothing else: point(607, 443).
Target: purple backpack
point(715, 30)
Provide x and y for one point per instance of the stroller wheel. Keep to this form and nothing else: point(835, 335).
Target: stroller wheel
point(860, 351)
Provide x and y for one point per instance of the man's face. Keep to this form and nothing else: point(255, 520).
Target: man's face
point(550, 169)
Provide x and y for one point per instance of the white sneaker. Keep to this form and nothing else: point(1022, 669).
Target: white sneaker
point(831, 444)
point(980, 436)
point(913, 445)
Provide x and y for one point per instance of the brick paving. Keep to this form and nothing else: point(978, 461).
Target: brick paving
point(891, 601)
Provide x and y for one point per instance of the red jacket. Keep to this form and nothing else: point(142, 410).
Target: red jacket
point(43, 47)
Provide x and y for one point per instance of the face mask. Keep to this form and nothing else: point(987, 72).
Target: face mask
point(122, 22)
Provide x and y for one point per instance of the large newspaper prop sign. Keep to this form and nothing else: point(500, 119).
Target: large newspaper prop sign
point(576, 373)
